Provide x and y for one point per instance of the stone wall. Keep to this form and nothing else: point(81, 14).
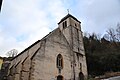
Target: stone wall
point(38, 62)
point(45, 60)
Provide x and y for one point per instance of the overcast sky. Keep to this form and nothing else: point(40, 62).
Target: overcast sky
point(22, 22)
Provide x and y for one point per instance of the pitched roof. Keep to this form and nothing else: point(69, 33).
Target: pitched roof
point(68, 15)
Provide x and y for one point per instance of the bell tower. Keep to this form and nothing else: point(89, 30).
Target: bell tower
point(71, 29)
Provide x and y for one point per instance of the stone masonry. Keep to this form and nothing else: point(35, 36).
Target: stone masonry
point(59, 55)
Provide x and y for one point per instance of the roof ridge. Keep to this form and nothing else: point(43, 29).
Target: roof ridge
point(68, 15)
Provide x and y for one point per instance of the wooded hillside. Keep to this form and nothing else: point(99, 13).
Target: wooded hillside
point(103, 54)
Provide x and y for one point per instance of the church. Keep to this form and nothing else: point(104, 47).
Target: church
point(60, 55)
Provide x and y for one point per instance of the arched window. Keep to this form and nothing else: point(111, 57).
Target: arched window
point(59, 77)
point(81, 76)
point(59, 61)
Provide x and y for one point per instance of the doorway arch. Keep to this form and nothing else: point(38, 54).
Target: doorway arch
point(59, 77)
point(81, 76)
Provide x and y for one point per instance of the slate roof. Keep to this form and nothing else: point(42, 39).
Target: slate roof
point(68, 15)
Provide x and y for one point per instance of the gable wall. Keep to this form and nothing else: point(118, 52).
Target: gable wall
point(46, 68)
point(39, 61)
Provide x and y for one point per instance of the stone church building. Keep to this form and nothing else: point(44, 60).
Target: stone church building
point(60, 55)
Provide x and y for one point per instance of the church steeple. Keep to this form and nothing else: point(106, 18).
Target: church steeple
point(71, 28)
point(68, 16)
point(69, 20)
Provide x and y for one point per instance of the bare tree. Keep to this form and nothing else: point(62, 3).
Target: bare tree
point(86, 34)
point(12, 53)
point(106, 36)
point(112, 35)
point(118, 32)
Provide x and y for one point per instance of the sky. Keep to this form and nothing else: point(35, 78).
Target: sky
point(23, 22)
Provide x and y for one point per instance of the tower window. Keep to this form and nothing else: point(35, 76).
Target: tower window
point(78, 49)
point(75, 25)
point(59, 61)
point(64, 24)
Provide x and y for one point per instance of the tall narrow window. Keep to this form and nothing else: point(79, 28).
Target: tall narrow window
point(59, 61)
point(75, 25)
point(64, 24)
point(80, 66)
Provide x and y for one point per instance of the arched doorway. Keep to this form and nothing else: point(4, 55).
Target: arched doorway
point(59, 77)
point(81, 76)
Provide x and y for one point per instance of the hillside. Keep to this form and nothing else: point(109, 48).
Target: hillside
point(102, 55)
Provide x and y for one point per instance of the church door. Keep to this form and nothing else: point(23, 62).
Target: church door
point(59, 77)
point(81, 76)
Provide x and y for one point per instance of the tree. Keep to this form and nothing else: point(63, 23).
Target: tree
point(118, 32)
point(12, 53)
point(112, 35)
point(102, 55)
